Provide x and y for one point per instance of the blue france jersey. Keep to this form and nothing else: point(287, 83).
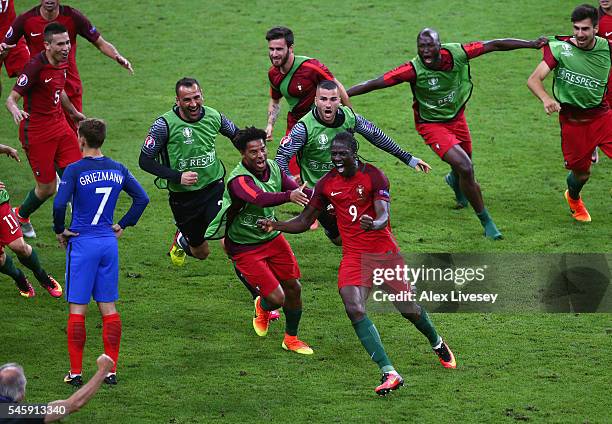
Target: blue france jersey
point(94, 184)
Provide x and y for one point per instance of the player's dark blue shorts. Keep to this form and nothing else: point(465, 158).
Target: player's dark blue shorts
point(92, 270)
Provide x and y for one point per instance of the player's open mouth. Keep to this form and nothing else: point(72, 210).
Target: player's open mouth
point(327, 113)
point(339, 166)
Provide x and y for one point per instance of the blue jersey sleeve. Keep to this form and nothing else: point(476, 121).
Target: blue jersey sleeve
point(140, 200)
point(65, 192)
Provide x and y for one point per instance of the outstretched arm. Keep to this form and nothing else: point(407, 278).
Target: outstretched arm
point(81, 396)
point(10, 152)
point(536, 85)
point(366, 222)
point(109, 50)
point(381, 140)
point(367, 86)
point(503, 44)
point(299, 224)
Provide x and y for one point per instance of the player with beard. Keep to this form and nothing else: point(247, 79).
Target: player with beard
point(49, 142)
point(295, 78)
point(310, 141)
point(441, 84)
point(254, 188)
point(180, 151)
point(30, 25)
point(582, 67)
point(359, 193)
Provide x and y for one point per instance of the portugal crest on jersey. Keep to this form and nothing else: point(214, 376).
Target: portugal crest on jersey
point(360, 191)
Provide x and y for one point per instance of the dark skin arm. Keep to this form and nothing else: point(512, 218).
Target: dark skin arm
point(367, 86)
point(489, 46)
point(366, 222)
point(299, 224)
point(512, 44)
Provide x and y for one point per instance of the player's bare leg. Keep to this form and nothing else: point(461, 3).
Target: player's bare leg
point(76, 343)
point(576, 179)
point(34, 200)
point(354, 299)
point(111, 336)
point(461, 164)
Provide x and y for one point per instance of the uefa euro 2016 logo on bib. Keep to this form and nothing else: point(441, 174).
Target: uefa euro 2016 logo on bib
point(188, 133)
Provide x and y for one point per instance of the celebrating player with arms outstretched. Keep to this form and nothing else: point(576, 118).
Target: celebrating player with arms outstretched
point(92, 259)
point(266, 260)
point(310, 140)
point(582, 67)
point(440, 80)
point(359, 194)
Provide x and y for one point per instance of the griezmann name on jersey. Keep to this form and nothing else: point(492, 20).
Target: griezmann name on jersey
point(94, 185)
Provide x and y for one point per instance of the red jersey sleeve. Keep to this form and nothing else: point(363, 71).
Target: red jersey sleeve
point(83, 26)
point(380, 184)
point(319, 69)
point(474, 49)
point(28, 77)
point(15, 31)
point(548, 57)
point(403, 73)
point(274, 93)
point(319, 201)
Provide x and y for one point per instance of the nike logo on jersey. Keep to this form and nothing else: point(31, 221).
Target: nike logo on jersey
point(334, 193)
point(35, 34)
point(608, 34)
point(14, 231)
point(48, 79)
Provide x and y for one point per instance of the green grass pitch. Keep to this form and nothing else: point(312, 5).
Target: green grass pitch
point(189, 354)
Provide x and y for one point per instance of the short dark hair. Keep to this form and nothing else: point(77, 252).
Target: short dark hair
point(186, 82)
point(585, 11)
point(52, 29)
point(247, 134)
point(279, 32)
point(348, 138)
point(93, 130)
point(328, 85)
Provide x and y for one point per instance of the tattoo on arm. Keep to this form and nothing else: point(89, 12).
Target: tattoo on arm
point(273, 111)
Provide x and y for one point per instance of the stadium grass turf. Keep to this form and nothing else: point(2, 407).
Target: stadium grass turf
point(189, 353)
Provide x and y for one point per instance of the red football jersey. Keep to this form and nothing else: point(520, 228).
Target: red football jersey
point(31, 26)
point(40, 85)
point(351, 198)
point(7, 15)
point(605, 25)
point(303, 85)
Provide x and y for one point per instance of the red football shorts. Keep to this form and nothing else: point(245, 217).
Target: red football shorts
point(16, 59)
point(383, 270)
point(579, 140)
point(9, 226)
point(441, 136)
point(46, 153)
point(267, 265)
